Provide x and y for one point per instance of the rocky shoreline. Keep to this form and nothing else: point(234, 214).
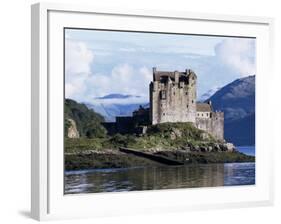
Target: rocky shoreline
point(105, 159)
point(112, 158)
point(207, 147)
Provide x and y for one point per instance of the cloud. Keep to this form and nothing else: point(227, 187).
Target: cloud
point(78, 59)
point(98, 67)
point(128, 49)
point(125, 79)
point(131, 100)
point(82, 84)
point(238, 55)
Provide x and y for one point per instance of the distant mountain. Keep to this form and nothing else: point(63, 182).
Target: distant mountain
point(116, 96)
point(237, 100)
point(241, 131)
point(110, 111)
point(115, 104)
point(208, 94)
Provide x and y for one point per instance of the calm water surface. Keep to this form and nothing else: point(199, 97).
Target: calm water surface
point(164, 177)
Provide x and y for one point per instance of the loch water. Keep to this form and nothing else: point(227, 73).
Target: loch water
point(161, 177)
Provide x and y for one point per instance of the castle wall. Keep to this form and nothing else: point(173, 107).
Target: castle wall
point(213, 125)
point(203, 114)
point(110, 127)
point(124, 125)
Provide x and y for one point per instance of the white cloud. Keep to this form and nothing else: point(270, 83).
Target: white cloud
point(130, 100)
point(78, 59)
point(124, 79)
point(237, 54)
point(82, 84)
point(128, 49)
point(97, 68)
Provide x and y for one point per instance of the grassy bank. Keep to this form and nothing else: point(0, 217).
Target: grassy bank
point(160, 136)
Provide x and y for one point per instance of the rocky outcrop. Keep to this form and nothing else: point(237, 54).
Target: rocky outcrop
point(72, 131)
point(214, 147)
point(175, 133)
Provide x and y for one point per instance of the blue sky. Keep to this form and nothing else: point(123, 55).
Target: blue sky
point(98, 63)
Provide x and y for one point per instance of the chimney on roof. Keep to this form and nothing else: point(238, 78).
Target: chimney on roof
point(154, 73)
point(210, 103)
point(177, 77)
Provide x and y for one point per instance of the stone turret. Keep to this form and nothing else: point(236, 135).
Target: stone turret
point(210, 121)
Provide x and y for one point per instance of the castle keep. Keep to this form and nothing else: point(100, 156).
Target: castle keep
point(172, 99)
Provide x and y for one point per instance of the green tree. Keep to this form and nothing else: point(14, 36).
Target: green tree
point(88, 122)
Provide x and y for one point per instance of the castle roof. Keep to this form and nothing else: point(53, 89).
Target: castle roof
point(203, 107)
point(157, 75)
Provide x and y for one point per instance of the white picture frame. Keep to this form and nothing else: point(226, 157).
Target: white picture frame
point(48, 201)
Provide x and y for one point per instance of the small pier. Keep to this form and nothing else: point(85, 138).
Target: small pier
point(156, 158)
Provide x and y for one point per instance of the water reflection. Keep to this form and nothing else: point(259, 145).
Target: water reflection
point(239, 174)
point(164, 177)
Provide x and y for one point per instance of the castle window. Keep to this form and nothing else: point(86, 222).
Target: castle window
point(163, 114)
point(186, 93)
point(192, 101)
point(163, 95)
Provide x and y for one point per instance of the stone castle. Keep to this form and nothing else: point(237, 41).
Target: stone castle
point(172, 99)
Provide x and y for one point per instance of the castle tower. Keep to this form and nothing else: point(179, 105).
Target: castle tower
point(173, 96)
